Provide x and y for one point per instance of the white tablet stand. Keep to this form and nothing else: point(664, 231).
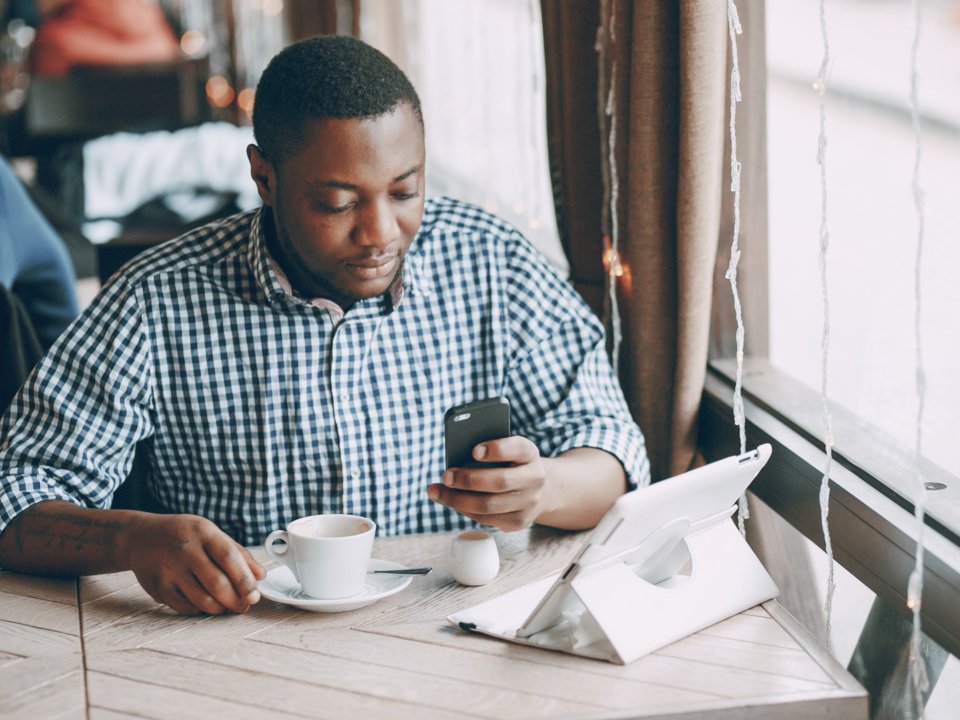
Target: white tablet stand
point(622, 605)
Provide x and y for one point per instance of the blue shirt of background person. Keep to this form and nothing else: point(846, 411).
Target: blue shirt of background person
point(34, 263)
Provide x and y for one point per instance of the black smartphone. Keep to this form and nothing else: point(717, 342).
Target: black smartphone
point(466, 426)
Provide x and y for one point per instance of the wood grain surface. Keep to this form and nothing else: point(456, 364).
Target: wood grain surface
point(101, 648)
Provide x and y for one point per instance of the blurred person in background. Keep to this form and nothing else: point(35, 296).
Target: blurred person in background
point(34, 263)
point(99, 32)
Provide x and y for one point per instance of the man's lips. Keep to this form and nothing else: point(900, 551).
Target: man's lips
point(371, 268)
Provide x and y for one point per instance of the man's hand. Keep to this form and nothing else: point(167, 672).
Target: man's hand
point(189, 564)
point(571, 491)
point(183, 561)
point(510, 498)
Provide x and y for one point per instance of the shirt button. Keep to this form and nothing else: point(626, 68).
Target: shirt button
point(344, 397)
point(355, 473)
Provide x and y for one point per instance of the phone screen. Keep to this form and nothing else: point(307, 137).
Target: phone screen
point(466, 426)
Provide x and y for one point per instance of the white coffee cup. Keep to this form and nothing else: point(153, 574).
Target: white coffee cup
point(474, 558)
point(328, 554)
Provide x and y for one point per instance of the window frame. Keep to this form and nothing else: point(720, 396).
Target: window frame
point(872, 535)
point(871, 514)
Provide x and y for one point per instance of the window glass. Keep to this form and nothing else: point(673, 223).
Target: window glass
point(873, 224)
point(479, 71)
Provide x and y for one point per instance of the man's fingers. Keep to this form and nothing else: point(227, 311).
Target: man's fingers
point(176, 601)
point(171, 597)
point(494, 480)
point(516, 449)
point(471, 503)
point(508, 522)
point(193, 566)
point(236, 586)
point(198, 597)
point(509, 498)
point(256, 568)
point(524, 471)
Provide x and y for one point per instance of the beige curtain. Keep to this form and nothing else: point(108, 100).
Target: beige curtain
point(667, 59)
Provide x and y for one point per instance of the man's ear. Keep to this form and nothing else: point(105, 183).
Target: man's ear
point(263, 174)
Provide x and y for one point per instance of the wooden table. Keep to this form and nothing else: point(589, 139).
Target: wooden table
point(100, 648)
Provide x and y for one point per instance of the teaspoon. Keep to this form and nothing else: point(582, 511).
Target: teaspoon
point(403, 571)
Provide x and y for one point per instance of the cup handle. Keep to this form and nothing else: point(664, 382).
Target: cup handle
point(282, 556)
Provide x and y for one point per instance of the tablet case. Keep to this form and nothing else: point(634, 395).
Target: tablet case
point(685, 576)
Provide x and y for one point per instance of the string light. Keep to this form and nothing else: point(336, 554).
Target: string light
point(611, 259)
point(615, 267)
point(919, 681)
point(245, 100)
point(219, 91)
point(606, 37)
point(735, 29)
point(820, 87)
point(271, 8)
point(193, 42)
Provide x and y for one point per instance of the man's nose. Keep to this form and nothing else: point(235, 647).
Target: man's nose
point(377, 225)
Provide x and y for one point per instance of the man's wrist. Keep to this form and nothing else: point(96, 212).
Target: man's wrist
point(127, 526)
point(580, 485)
point(551, 496)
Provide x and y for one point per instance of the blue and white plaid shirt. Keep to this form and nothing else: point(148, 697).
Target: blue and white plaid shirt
point(259, 407)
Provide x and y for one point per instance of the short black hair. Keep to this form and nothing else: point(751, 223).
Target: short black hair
point(327, 76)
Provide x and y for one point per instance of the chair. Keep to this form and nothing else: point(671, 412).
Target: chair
point(95, 100)
point(61, 113)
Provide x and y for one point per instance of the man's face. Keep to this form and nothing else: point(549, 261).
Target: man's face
point(346, 203)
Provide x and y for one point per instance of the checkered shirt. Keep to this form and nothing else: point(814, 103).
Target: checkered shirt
point(257, 407)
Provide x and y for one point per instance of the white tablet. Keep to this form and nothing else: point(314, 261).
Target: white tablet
point(645, 529)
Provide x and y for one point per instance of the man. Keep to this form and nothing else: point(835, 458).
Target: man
point(299, 359)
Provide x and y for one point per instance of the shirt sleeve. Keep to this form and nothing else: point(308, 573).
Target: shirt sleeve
point(71, 431)
point(560, 383)
point(35, 260)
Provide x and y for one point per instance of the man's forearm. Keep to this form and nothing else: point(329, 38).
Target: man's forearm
point(60, 538)
point(583, 484)
point(183, 561)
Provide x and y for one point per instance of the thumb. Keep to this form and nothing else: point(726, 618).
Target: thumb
point(256, 568)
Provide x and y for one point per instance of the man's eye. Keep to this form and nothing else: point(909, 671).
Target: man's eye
point(333, 209)
point(405, 196)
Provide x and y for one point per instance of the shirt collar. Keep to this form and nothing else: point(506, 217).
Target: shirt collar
point(270, 277)
point(259, 259)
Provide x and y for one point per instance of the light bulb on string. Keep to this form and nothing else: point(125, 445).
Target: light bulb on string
point(616, 267)
point(245, 99)
point(611, 259)
point(193, 43)
point(271, 8)
point(219, 91)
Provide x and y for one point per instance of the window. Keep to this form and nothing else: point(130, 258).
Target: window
point(479, 71)
point(238, 40)
point(871, 214)
point(873, 238)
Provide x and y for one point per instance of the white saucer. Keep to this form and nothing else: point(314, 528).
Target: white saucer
point(281, 586)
